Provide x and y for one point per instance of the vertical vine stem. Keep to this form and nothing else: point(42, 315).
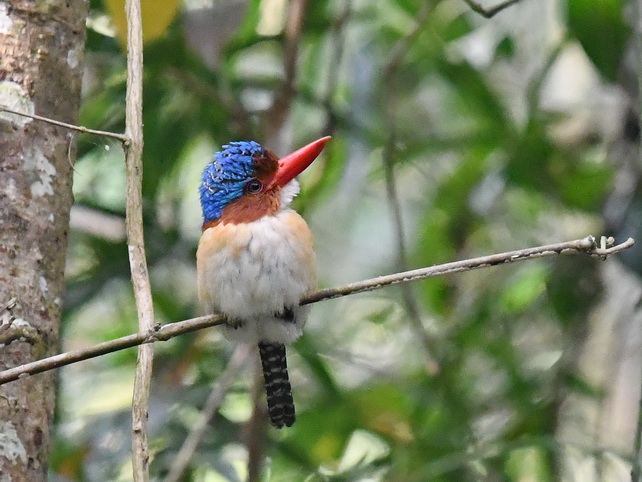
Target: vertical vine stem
point(412, 309)
point(135, 237)
point(410, 301)
point(636, 469)
point(204, 420)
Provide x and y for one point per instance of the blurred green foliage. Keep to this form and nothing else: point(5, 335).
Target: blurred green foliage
point(488, 154)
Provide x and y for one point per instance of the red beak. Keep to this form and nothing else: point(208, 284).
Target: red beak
point(294, 164)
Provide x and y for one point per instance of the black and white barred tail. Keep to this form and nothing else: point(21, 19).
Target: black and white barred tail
point(277, 384)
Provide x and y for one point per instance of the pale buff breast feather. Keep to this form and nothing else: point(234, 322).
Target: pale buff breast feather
point(255, 271)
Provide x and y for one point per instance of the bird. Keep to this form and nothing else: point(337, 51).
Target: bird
point(255, 259)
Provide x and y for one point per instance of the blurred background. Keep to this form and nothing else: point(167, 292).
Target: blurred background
point(454, 135)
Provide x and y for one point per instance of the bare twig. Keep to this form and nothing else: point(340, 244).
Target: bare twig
point(534, 90)
point(636, 470)
point(401, 48)
point(121, 137)
point(163, 333)
point(393, 64)
point(277, 114)
point(158, 333)
point(412, 309)
point(338, 39)
point(489, 12)
point(585, 245)
point(293, 31)
point(135, 237)
point(256, 427)
point(220, 388)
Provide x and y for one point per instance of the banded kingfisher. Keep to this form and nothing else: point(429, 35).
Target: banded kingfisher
point(255, 259)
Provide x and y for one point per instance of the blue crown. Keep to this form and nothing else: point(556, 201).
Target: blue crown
point(225, 177)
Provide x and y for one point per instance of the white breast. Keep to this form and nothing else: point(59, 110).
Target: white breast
point(252, 271)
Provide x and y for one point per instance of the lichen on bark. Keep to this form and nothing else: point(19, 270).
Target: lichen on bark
point(41, 45)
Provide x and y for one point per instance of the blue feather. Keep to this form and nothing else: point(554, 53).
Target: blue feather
point(224, 178)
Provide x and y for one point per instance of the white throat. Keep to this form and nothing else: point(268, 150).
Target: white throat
point(289, 192)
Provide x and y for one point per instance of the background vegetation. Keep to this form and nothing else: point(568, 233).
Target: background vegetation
point(453, 136)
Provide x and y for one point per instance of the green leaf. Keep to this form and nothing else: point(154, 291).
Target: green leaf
point(524, 288)
point(600, 28)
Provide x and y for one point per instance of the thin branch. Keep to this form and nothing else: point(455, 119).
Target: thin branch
point(293, 32)
point(534, 89)
point(121, 137)
point(135, 237)
point(390, 70)
point(586, 245)
point(158, 333)
point(338, 42)
point(220, 388)
point(401, 48)
point(414, 316)
point(276, 116)
point(337, 37)
point(636, 470)
point(256, 427)
point(489, 12)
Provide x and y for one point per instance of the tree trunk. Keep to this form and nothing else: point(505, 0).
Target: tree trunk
point(41, 48)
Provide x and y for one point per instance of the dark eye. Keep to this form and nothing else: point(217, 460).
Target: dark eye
point(254, 187)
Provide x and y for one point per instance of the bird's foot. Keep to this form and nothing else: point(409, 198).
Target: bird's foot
point(235, 324)
point(286, 315)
